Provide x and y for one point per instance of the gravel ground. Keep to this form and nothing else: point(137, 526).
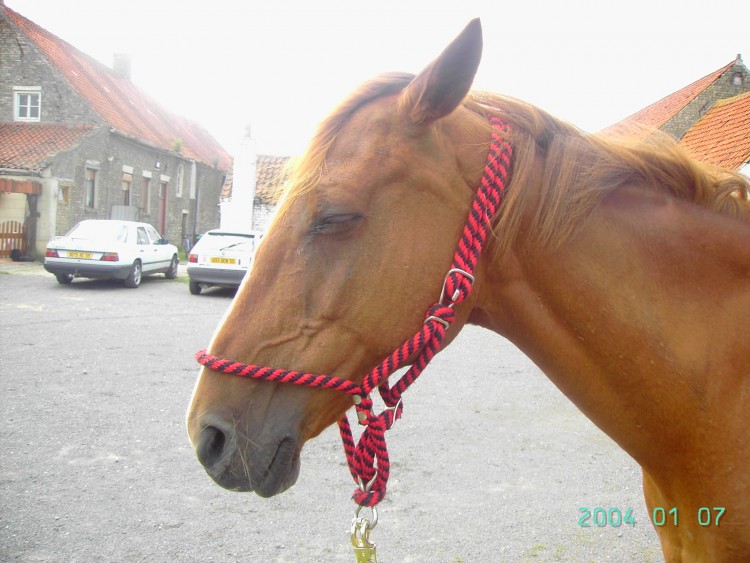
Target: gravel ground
point(491, 462)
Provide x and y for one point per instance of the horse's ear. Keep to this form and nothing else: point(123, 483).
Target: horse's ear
point(440, 88)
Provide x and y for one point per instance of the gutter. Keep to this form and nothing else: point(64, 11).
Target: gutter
point(20, 172)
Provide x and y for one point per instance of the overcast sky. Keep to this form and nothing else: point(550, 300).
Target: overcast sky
point(282, 65)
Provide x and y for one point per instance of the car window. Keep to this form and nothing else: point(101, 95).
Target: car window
point(142, 236)
point(226, 240)
point(155, 237)
point(99, 230)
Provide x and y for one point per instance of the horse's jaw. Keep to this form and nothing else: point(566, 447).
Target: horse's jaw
point(266, 467)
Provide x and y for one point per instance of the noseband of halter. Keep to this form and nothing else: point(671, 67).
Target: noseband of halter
point(368, 459)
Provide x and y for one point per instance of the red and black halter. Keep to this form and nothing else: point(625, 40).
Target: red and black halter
point(368, 459)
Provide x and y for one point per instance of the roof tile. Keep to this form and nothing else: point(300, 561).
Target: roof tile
point(657, 114)
point(722, 135)
point(27, 146)
point(120, 103)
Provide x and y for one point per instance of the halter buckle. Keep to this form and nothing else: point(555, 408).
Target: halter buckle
point(443, 322)
point(456, 293)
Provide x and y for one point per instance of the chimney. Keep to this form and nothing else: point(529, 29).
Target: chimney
point(121, 65)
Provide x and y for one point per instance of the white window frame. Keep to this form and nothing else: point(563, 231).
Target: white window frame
point(18, 92)
point(146, 192)
point(180, 179)
point(93, 166)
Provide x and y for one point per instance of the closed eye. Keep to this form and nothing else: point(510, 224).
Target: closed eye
point(337, 224)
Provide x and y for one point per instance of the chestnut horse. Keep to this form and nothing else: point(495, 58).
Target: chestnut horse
point(622, 270)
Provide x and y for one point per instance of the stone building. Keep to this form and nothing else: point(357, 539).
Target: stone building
point(710, 117)
point(79, 140)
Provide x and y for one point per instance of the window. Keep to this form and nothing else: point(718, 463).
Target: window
point(155, 237)
point(146, 195)
point(142, 236)
point(28, 104)
point(193, 186)
point(180, 179)
point(63, 192)
point(127, 180)
point(89, 195)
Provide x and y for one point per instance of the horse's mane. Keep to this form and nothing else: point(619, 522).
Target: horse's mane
point(579, 169)
point(305, 172)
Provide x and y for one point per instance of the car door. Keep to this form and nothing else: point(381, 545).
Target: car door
point(146, 250)
point(162, 253)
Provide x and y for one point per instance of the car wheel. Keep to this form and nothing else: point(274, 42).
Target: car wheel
point(64, 279)
point(195, 288)
point(135, 275)
point(172, 272)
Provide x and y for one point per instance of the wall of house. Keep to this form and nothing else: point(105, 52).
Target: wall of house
point(722, 88)
point(21, 64)
point(193, 209)
point(113, 156)
point(209, 183)
point(262, 214)
point(12, 207)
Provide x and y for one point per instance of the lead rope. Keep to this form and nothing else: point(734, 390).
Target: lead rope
point(368, 459)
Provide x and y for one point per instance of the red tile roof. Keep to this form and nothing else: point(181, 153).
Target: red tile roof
point(657, 114)
point(722, 135)
point(270, 175)
point(120, 103)
point(26, 146)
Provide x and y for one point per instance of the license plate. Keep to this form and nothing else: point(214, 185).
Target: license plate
point(74, 254)
point(218, 260)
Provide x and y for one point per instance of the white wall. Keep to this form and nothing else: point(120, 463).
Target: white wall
point(237, 213)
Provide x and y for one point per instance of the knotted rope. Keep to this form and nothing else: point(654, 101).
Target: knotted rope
point(368, 459)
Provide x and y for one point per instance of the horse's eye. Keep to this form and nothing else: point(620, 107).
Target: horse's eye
point(335, 224)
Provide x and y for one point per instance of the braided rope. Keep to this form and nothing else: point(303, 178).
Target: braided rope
point(368, 459)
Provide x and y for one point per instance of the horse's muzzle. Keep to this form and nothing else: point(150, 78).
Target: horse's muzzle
point(266, 467)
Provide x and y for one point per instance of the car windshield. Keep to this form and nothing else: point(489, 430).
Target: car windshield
point(99, 230)
point(226, 240)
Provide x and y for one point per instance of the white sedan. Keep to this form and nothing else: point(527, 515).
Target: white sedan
point(221, 258)
point(101, 248)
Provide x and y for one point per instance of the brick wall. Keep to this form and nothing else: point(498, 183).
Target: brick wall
point(21, 64)
point(112, 156)
point(262, 214)
point(721, 89)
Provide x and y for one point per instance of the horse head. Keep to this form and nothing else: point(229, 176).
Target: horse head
point(357, 252)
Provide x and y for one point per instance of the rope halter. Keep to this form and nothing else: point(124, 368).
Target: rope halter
point(368, 459)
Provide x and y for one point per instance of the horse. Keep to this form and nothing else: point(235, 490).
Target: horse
point(620, 268)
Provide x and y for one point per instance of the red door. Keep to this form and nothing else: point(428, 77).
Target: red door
point(163, 207)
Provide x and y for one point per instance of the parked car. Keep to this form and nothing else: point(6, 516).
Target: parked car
point(103, 248)
point(221, 258)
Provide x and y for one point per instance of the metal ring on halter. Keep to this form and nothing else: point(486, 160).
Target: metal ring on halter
point(455, 295)
point(394, 408)
point(371, 524)
point(443, 322)
point(365, 487)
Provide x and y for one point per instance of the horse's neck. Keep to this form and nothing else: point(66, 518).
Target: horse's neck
point(634, 316)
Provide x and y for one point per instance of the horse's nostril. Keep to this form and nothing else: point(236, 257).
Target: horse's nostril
point(210, 446)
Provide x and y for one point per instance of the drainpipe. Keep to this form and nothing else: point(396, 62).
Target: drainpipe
point(194, 189)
